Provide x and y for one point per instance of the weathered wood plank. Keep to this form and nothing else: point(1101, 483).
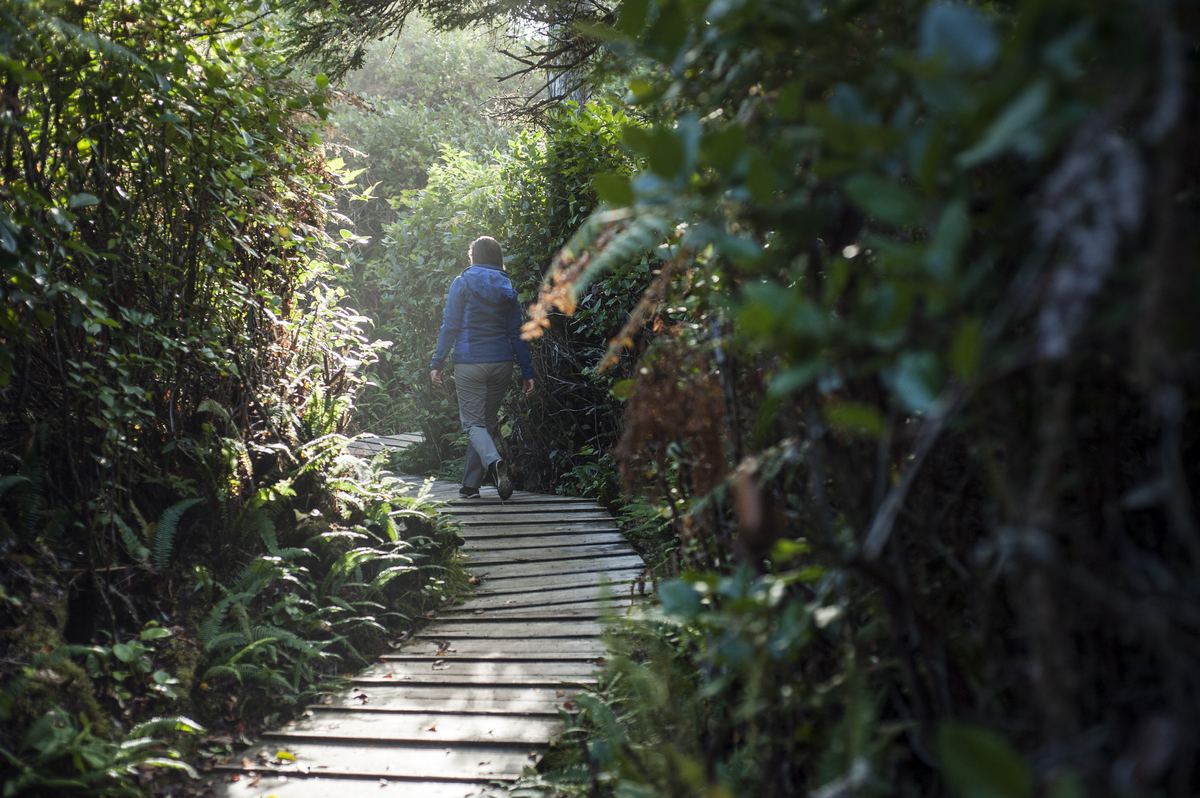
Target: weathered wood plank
point(476, 671)
point(584, 610)
point(615, 563)
point(530, 583)
point(483, 531)
point(420, 727)
point(549, 554)
point(469, 763)
point(512, 519)
point(284, 786)
point(564, 595)
point(512, 542)
point(426, 650)
point(449, 629)
point(470, 507)
point(413, 697)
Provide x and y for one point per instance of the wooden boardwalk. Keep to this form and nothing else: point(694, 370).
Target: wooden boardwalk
point(473, 699)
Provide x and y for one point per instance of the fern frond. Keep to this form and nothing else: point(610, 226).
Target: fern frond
point(154, 726)
point(388, 574)
point(10, 481)
point(137, 550)
point(164, 532)
point(226, 640)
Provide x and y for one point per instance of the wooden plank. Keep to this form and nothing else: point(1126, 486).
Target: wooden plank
point(549, 554)
point(583, 611)
point(459, 727)
point(563, 595)
point(536, 582)
point(452, 629)
point(540, 541)
point(478, 518)
point(595, 610)
point(415, 697)
point(617, 563)
point(283, 786)
point(499, 671)
point(483, 532)
point(534, 679)
point(469, 507)
point(466, 762)
point(426, 650)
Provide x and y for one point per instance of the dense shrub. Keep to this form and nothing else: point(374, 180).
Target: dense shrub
point(936, 263)
point(176, 511)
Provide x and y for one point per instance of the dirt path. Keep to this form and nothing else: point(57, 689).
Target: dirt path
point(474, 698)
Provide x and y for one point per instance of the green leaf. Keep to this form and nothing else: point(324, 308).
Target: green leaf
point(82, 200)
point(321, 80)
point(967, 349)
point(886, 200)
point(855, 417)
point(978, 763)
point(624, 389)
point(633, 16)
point(666, 153)
point(760, 179)
point(915, 381)
point(722, 148)
point(154, 633)
point(613, 189)
point(670, 29)
point(953, 232)
point(1009, 127)
point(123, 652)
point(680, 600)
point(959, 33)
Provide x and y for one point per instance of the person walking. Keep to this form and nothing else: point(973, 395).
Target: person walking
point(482, 326)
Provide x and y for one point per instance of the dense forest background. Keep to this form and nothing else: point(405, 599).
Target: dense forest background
point(871, 319)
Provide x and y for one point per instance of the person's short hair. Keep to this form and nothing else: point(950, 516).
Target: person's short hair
point(486, 249)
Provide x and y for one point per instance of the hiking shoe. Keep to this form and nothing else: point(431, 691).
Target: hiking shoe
point(502, 479)
point(468, 493)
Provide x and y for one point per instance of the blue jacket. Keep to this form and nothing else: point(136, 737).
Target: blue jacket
point(482, 322)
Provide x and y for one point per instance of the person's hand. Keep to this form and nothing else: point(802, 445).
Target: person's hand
point(436, 378)
point(528, 386)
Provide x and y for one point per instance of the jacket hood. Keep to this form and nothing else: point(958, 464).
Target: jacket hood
point(489, 286)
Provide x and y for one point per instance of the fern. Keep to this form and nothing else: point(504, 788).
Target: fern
point(137, 550)
point(11, 480)
point(164, 532)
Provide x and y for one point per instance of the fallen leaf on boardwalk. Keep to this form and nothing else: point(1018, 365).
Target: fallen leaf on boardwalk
point(568, 705)
point(486, 763)
point(440, 662)
point(246, 763)
point(432, 728)
point(387, 676)
point(235, 777)
point(560, 693)
point(383, 782)
point(254, 783)
point(285, 756)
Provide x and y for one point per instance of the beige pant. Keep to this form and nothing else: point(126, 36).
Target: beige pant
point(481, 388)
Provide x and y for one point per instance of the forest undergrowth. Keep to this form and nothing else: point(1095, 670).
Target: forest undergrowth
point(187, 551)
